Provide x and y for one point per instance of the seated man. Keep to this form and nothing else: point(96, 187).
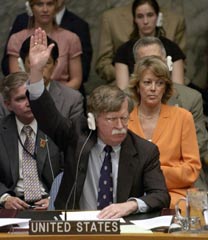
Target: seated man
point(68, 101)
point(132, 182)
point(23, 186)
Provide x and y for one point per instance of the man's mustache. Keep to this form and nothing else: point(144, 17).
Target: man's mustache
point(119, 131)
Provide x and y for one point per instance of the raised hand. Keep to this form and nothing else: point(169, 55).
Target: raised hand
point(39, 54)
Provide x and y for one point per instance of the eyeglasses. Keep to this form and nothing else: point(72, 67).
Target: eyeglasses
point(113, 120)
point(149, 83)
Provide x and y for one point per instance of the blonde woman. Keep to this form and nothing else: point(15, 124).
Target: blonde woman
point(171, 128)
point(68, 69)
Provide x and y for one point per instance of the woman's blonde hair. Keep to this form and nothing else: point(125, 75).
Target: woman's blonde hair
point(159, 68)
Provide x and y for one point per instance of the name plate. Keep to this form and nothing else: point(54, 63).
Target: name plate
point(73, 227)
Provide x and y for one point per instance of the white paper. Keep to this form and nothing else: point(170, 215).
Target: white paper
point(162, 221)
point(23, 222)
point(133, 229)
point(84, 216)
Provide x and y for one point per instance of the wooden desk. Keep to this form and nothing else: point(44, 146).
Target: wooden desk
point(49, 215)
point(147, 236)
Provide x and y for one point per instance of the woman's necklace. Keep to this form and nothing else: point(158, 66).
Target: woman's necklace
point(143, 116)
point(148, 123)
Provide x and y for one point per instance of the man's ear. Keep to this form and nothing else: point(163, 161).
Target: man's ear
point(8, 105)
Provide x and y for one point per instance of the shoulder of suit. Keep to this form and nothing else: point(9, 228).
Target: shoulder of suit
point(174, 16)
point(187, 91)
point(118, 10)
point(175, 111)
point(7, 121)
point(75, 17)
point(65, 90)
point(22, 16)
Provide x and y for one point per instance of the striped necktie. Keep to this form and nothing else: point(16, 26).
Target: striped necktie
point(32, 190)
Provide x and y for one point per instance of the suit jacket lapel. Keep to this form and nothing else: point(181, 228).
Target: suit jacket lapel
point(10, 139)
point(127, 164)
point(161, 124)
point(55, 93)
point(175, 98)
point(66, 19)
point(84, 158)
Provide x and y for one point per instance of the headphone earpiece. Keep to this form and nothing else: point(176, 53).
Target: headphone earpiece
point(159, 22)
point(91, 121)
point(169, 63)
point(28, 9)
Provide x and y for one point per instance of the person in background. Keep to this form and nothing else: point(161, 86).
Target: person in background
point(69, 68)
point(110, 108)
point(116, 27)
point(183, 96)
point(171, 128)
point(46, 155)
point(67, 20)
point(68, 101)
point(145, 18)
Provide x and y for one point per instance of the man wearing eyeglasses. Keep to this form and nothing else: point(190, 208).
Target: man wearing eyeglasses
point(108, 168)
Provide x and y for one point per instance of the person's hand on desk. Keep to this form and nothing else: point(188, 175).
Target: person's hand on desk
point(15, 203)
point(41, 204)
point(118, 210)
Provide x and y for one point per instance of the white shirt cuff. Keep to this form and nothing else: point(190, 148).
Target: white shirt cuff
point(142, 206)
point(35, 89)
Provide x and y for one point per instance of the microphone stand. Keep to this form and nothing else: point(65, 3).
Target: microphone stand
point(75, 181)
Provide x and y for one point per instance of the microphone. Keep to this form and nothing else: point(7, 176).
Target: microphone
point(74, 187)
point(49, 157)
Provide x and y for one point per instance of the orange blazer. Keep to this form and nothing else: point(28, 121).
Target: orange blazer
point(175, 136)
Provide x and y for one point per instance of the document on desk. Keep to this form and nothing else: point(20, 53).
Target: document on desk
point(83, 216)
point(133, 229)
point(153, 223)
point(21, 222)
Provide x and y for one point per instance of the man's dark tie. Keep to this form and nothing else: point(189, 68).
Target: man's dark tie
point(32, 191)
point(105, 189)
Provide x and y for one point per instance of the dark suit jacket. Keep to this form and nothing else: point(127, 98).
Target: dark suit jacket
point(9, 157)
point(71, 22)
point(68, 101)
point(139, 167)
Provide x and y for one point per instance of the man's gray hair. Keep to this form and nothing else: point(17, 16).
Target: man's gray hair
point(11, 82)
point(147, 41)
point(107, 98)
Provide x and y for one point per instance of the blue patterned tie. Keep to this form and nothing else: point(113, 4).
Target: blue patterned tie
point(105, 190)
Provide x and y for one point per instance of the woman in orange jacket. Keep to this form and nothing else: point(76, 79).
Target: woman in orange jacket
point(171, 128)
